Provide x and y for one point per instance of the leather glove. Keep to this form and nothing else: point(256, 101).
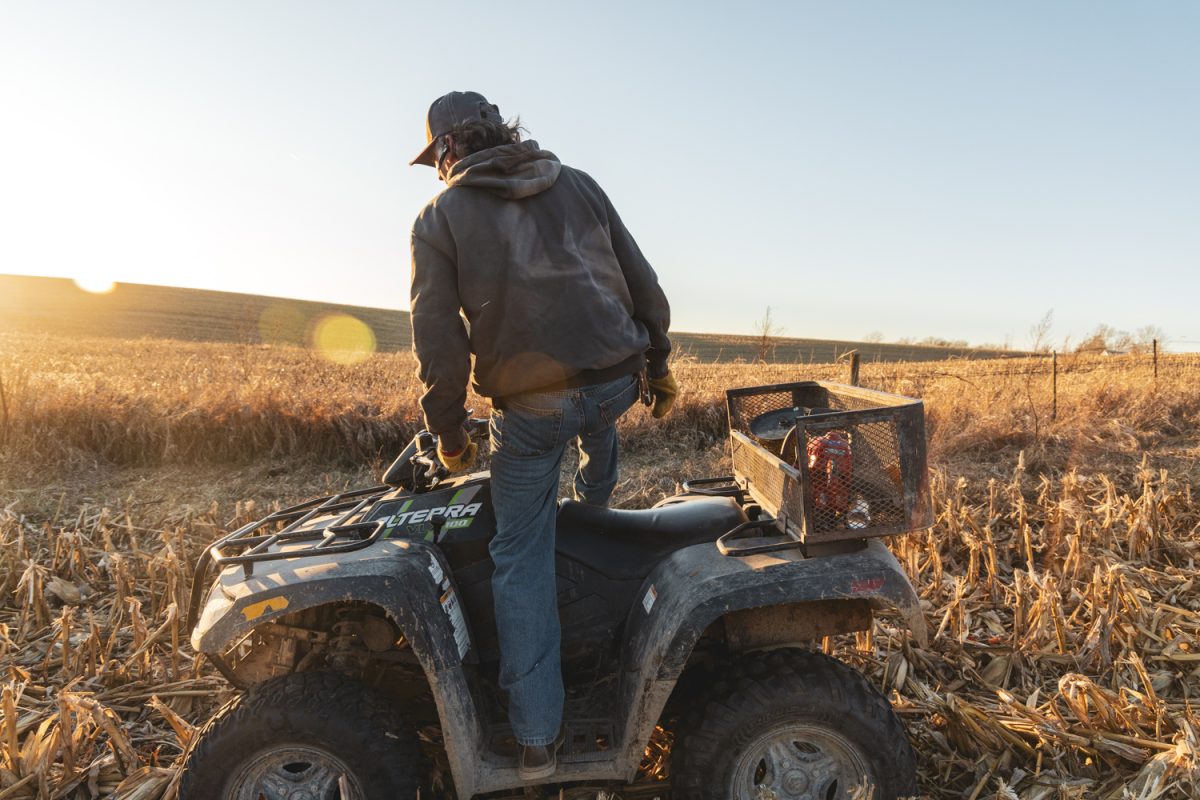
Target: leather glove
point(456, 452)
point(663, 390)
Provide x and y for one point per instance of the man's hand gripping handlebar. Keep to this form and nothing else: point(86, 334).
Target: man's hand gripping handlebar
point(456, 450)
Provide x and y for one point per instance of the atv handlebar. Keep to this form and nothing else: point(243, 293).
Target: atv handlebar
point(418, 468)
point(477, 428)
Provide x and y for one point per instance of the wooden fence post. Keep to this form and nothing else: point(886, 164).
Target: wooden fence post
point(854, 361)
point(1155, 344)
point(3, 415)
point(1054, 385)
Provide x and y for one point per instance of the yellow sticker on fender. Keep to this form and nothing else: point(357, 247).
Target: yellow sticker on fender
point(256, 610)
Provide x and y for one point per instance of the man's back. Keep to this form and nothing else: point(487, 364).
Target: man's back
point(550, 281)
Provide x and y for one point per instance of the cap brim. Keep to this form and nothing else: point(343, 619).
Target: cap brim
point(425, 156)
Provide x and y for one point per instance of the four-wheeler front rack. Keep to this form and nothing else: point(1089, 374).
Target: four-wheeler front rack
point(251, 544)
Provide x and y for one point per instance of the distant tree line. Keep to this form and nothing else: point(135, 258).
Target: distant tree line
point(1104, 339)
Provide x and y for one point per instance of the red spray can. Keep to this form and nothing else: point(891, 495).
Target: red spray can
point(830, 468)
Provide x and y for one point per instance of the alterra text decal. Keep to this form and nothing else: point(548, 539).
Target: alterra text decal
point(458, 515)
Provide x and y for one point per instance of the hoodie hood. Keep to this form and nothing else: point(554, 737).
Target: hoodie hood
point(512, 171)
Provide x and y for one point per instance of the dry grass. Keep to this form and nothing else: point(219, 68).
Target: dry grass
point(1059, 579)
point(1065, 650)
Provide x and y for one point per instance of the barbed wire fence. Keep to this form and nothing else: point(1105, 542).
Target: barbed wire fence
point(1054, 367)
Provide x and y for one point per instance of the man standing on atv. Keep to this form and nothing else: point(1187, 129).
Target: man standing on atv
point(523, 263)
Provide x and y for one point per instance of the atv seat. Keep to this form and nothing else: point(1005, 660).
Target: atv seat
point(699, 520)
point(627, 545)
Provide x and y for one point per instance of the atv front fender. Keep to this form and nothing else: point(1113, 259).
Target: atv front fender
point(406, 579)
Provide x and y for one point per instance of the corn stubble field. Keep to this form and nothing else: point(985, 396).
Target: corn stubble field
point(1059, 580)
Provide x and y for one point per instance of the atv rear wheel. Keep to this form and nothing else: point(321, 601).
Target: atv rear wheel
point(311, 735)
point(792, 725)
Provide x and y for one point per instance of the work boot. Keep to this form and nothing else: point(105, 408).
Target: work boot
point(539, 761)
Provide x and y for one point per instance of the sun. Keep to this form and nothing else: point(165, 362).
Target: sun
point(95, 285)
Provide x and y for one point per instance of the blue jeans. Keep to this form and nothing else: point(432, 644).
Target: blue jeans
point(529, 437)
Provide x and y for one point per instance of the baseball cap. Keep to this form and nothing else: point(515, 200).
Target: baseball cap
point(450, 110)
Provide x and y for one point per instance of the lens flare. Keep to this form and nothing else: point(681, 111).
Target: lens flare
point(343, 339)
point(95, 285)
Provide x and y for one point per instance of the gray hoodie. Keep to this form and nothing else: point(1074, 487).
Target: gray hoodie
point(524, 263)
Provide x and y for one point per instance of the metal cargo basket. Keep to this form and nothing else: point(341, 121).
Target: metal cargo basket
point(830, 461)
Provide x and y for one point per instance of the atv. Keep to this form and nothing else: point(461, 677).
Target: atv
point(361, 626)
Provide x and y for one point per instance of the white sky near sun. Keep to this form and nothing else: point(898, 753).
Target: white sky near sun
point(918, 169)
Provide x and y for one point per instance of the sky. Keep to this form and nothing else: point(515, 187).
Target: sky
point(915, 169)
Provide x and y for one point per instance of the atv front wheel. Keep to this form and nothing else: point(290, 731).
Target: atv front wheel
point(793, 725)
point(312, 735)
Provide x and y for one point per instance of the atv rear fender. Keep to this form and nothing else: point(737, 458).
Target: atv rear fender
point(697, 587)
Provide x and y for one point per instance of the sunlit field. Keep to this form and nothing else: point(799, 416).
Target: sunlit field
point(1058, 582)
point(97, 307)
